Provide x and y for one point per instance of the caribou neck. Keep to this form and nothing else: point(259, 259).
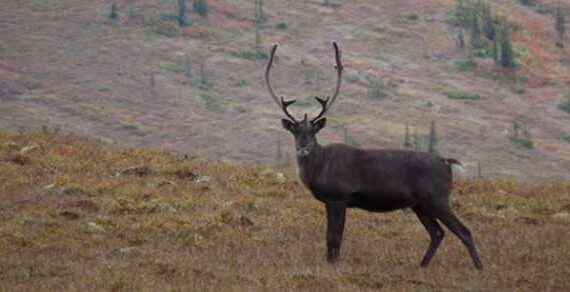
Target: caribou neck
point(309, 166)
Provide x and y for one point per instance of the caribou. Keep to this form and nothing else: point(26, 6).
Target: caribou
point(342, 176)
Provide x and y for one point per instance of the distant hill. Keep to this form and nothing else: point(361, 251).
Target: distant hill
point(65, 64)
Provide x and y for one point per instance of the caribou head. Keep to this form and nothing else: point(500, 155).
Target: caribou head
point(304, 130)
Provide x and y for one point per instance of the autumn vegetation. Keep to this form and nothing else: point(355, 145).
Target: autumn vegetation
point(78, 214)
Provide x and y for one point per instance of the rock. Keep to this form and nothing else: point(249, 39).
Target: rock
point(29, 149)
point(203, 179)
point(49, 187)
point(140, 170)
point(562, 216)
point(165, 182)
point(280, 177)
point(95, 227)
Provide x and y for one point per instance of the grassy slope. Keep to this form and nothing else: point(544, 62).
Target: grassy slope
point(69, 222)
point(75, 69)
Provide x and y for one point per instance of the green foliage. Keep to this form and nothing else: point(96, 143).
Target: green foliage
point(213, 103)
point(251, 54)
point(560, 25)
point(461, 13)
point(416, 141)
point(114, 14)
point(182, 19)
point(432, 141)
point(563, 136)
point(167, 29)
point(507, 57)
point(173, 67)
point(351, 77)
point(200, 7)
point(376, 88)
point(527, 2)
point(521, 135)
point(456, 93)
point(282, 25)
point(495, 50)
point(466, 64)
point(240, 83)
point(259, 16)
point(488, 23)
point(407, 138)
point(475, 30)
point(205, 83)
point(188, 69)
point(412, 16)
point(565, 105)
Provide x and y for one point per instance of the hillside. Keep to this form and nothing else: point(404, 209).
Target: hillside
point(77, 214)
point(65, 64)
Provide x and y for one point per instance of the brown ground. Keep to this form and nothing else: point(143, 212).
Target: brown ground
point(79, 215)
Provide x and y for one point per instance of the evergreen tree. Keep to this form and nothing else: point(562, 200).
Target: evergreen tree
point(461, 40)
point(479, 173)
point(475, 31)
point(416, 143)
point(488, 23)
point(200, 7)
point(432, 145)
point(203, 77)
point(188, 68)
point(114, 14)
point(507, 54)
point(560, 28)
point(495, 50)
point(257, 39)
point(182, 19)
point(407, 138)
point(279, 156)
point(516, 127)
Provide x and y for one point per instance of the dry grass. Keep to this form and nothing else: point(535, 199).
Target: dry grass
point(80, 215)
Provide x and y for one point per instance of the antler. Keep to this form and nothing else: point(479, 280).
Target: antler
point(280, 101)
point(327, 102)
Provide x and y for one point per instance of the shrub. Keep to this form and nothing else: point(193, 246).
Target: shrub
point(456, 93)
point(376, 88)
point(351, 77)
point(282, 25)
point(412, 16)
point(200, 7)
point(527, 2)
point(251, 54)
point(465, 65)
point(213, 103)
point(565, 105)
point(563, 136)
point(173, 67)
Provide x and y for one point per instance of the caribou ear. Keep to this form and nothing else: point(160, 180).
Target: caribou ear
point(319, 124)
point(288, 125)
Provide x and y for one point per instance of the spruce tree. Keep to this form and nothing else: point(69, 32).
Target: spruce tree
point(461, 40)
point(188, 68)
point(495, 50)
point(416, 143)
point(407, 138)
point(488, 23)
point(200, 7)
point(475, 31)
point(560, 28)
point(114, 14)
point(432, 146)
point(507, 54)
point(182, 19)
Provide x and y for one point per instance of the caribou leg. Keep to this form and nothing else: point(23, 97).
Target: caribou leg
point(448, 218)
point(435, 231)
point(336, 212)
